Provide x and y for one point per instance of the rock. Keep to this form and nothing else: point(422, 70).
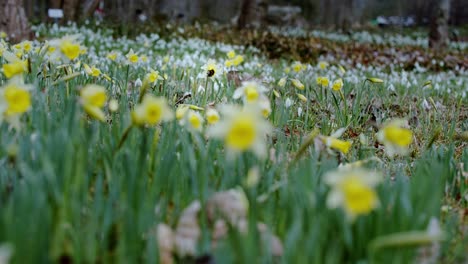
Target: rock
point(165, 237)
point(188, 231)
point(230, 205)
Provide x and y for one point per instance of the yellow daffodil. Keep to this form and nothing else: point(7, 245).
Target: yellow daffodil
point(19, 54)
point(282, 82)
point(153, 76)
point(265, 106)
point(297, 66)
point(323, 81)
point(276, 93)
point(241, 129)
point(250, 91)
point(25, 46)
point(342, 69)
point(353, 190)
point(181, 111)
point(15, 99)
point(152, 111)
point(231, 54)
point(15, 66)
point(337, 85)
point(112, 56)
point(212, 69)
point(396, 137)
point(51, 49)
point(67, 48)
point(107, 77)
point(3, 35)
point(298, 84)
point(70, 50)
point(323, 65)
point(427, 84)
point(17, 46)
point(83, 50)
point(194, 107)
point(333, 143)
point(132, 57)
point(92, 71)
point(194, 120)
point(237, 60)
point(337, 144)
point(212, 116)
point(302, 97)
point(93, 98)
point(375, 80)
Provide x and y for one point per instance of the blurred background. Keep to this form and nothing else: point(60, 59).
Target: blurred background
point(305, 13)
point(444, 19)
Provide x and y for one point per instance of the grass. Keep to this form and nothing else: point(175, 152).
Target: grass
point(70, 193)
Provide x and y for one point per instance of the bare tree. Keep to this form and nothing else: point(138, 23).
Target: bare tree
point(439, 32)
point(253, 13)
point(344, 15)
point(13, 20)
point(245, 13)
point(71, 9)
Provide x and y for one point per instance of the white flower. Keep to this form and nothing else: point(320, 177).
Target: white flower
point(212, 69)
point(138, 83)
point(6, 250)
point(241, 129)
point(396, 137)
point(193, 120)
point(212, 116)
point(288, 102)
point(250, 91)
point(353, 190)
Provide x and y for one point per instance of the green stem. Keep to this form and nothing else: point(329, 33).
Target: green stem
point(345, 107)
point(305, 145)
point(411, 238)
point(126, 78)
point(123, 138)
point(205, 96)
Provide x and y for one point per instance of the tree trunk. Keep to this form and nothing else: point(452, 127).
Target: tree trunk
point(245, 13)
point(344, 16)
point(252, 13)
point(55, 4)
point(71, 9)
point(13, 20)
point(439, 35)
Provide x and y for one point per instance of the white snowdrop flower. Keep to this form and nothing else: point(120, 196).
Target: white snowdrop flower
point(138, 83)
point(425, 105)
point(288, 102)
point(201, 89)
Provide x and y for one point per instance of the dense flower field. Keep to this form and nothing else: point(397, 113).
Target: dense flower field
point(182, 150)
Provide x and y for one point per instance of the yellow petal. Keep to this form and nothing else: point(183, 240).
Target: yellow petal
point(95, 112)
